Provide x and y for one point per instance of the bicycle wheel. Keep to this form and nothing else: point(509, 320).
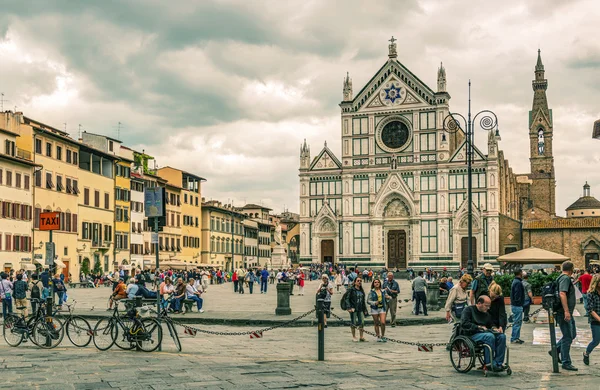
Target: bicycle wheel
point(104, 334)
point(79, 331)
point(11, 332)
point(121, 340)
point(47, 334)
point(152, 337)
point(174, 335)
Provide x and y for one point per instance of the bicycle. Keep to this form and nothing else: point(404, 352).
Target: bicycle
point(78, 328)
point(127, 332)
point(163, 315)
point(44, 331)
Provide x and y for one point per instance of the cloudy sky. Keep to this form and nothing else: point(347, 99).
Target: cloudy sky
point(229, 89)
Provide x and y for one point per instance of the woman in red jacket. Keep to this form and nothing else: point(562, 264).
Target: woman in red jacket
point(301, 283)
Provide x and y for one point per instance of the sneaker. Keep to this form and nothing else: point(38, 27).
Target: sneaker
point(383, 340)
point(517, 341)
point(586, 359)
point(393, 325)
point(379, 340)
point(355, 339)
point(363, 340)
point(201, 311)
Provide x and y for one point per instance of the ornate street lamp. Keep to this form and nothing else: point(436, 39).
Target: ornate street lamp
point(452, 124)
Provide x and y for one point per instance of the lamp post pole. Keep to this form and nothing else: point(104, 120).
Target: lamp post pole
point(453, 123)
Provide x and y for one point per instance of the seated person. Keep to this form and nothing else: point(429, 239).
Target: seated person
point(132, 289)
point(450, 283)
point(444, 286)
point(118, 293)
point(143, 291)
point(477, 323)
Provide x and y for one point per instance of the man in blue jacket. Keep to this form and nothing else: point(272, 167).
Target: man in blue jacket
point(517, 299)
point(264, 277)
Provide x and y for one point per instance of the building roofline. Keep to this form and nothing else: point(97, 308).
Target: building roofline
point(28, 121)
point(102, 135)
point(9, 132)
point(184, 172)
point(20, 160)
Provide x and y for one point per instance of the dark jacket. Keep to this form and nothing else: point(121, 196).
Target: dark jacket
point(353, 298)
point(498, 313)
point(472, 318)
point(517, 293)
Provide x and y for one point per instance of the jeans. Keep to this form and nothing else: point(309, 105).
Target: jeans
point(358, 319)
point(595, 339)
point(241, 286)
point(585, 304)
point(263, 285)
point(6, 307)
point(198, 301)
point(250, 286)
point(496, 342)
point(569, 332)
point(235, 286)
point(61, 296)
point(421, 299)
point(526, 307)
point(517, 312)
point(176, 304)
point(392, 306)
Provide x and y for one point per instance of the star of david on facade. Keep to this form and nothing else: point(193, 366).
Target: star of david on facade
point(392, 93)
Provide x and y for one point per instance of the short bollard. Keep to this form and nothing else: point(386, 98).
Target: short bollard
point(283, 300)
point(321, 330)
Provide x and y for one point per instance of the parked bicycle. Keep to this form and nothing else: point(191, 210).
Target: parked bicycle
point(127, 332)
point(78, 328)
point(163, 316)
point(44, 331)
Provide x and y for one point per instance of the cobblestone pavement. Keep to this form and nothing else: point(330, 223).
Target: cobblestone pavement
point(284, 358)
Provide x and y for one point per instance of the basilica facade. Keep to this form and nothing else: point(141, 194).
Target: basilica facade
point(397, 195)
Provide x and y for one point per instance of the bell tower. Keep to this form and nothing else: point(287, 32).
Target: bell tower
point(543, 187)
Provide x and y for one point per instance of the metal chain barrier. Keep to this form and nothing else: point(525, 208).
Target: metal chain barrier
point(530, 315)
point(245, 333)
point(390, 339)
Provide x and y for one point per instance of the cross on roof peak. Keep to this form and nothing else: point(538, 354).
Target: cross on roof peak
point(393, 39)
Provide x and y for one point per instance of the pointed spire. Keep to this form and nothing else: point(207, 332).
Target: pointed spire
point(325, 143)
point(586, 189)
point(539, 67)
point(441, 79)
point(347, 90)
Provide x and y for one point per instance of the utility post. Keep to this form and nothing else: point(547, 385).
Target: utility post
point(50, 221)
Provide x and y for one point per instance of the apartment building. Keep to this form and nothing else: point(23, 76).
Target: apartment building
point(222, 236)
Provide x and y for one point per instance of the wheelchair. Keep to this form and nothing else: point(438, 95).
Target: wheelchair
point(464, 353)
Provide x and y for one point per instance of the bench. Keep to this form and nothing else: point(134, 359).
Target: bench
point(188, 304)
point(79, 284)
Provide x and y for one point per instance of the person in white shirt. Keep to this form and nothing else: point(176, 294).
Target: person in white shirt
point(204, 280)
point(194, 294)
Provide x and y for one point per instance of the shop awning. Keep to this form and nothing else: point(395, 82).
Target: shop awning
point(28, 266)
point(59, 264)
point(176, 264)
point(533, 255)
point(7, 265)
point(40, 261)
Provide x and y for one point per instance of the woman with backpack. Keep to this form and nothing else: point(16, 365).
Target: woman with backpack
point(593, 305)
point(35, 288)
point(354, 302)
point(377, 301)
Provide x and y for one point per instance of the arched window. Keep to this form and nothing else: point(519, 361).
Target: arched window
point(212, 244)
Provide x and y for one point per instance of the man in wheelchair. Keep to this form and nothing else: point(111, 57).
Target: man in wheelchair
point(476, 323)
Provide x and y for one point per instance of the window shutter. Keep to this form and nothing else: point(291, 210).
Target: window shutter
point(75, 223)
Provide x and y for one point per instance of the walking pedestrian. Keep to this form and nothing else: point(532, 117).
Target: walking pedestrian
point(564, 316)
point(517, 299)
point(250, 279)
point(36, 287)
point(356, 304)
point(241, 278)
point(6, 289)
point(528, 297)
point(339, 280)
point(204, 278)
point(377, 301)
point(234, 279)
point(497, 307)
point(593, 301)
point(392, 289)
point(482, 282)
point(324, 292)
point(419, 286)
point(264, 277)
point(301, 283)
point(585, 281)
point(457, 298)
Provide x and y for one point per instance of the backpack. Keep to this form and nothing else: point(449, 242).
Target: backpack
point(551, 295)
point(343, 303)
point(35, 290)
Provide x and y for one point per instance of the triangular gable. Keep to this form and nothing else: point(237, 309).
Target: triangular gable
point(325, 160)
point(394, 186)
point(418, 90)
point(461, 154)
point(540, 114)
point(325, 219)
point(393, 93)
point(461, 215)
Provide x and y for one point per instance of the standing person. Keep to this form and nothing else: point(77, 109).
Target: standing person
point(60, 289)
point(250, 279)
point(271, 277)
point(325, 291)
point(585, 281)
point(482, 282)
point(419, 286)
point(204, 277)
point(564, 316)
point(392, 289)
point(241, 277)
point(339, 280)
point(356, 304)
point(264, 277)
point(36, 287)
point(497, 307)
point(593, 301)
point(457, 298)
point(20, 292)
point(194, 294)
point(378, 303)
point(517, 300)
point(528, 297)
point(291, 280)
point(234, 279)
point(6, 289)
point(45, 279)
point(301, 283)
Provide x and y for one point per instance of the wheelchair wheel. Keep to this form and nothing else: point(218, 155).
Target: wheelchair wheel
point(462, 354)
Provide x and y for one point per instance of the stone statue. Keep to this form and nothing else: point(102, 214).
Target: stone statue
point(278, 239)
